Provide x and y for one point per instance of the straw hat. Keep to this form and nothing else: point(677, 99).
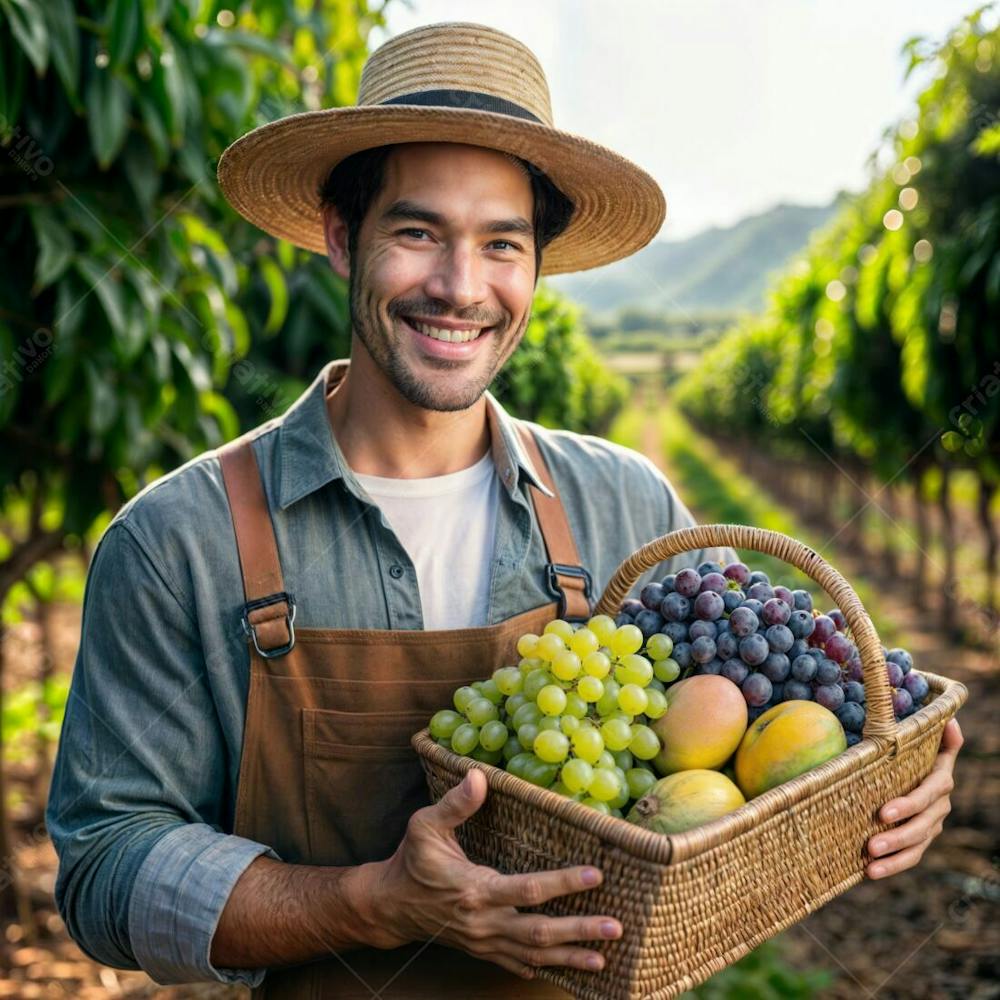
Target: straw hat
point(448, 82)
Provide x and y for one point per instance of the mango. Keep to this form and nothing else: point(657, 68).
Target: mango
point(787, 740)
point(685, 800)
point(705, 720)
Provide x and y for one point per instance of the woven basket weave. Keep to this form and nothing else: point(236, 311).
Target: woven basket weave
point(695, 902)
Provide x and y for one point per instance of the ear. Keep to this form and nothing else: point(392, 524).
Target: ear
point(335, 231)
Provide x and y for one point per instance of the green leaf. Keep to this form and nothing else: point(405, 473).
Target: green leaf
point(103, 400)
point(218, 407)
point(55, 247)
point(124, 22)
point(278, 290)
point(65, 41)
point(107, 115)
point(108, 290)
point(952, 441)
point(27, 25)
point(12, 65)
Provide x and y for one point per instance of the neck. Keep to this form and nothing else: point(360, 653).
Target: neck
point(383, 434)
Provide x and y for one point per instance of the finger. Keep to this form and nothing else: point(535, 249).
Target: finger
point(544, 932)
point(511, 965)
point(458, 803)
point(913, 832)
point(952, 741)
point(896, 863)
point(535, 888)
point(936, 785)
point(576, 958)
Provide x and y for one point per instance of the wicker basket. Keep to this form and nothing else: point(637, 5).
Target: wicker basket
point(695, 902)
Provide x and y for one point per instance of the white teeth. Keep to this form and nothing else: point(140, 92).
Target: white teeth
point(449, 336)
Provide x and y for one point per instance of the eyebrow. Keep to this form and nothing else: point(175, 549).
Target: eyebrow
point(403, 209)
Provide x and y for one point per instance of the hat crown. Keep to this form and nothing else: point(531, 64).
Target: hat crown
point(460, 57)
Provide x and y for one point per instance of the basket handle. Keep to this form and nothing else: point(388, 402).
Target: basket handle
point(880, 722)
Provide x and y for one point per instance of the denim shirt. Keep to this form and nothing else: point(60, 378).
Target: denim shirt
point(143, 792)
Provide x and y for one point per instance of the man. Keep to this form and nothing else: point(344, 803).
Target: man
point(266, 626)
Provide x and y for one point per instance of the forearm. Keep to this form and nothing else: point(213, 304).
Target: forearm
point(282, 914)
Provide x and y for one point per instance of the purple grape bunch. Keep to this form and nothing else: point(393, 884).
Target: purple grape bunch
point(768, 640)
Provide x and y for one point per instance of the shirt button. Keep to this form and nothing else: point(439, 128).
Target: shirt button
point(396, 571)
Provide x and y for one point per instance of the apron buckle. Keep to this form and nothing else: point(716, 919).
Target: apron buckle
point(250, 629)
point(555, 570)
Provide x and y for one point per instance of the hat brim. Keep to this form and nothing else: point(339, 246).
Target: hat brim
point(272, 175)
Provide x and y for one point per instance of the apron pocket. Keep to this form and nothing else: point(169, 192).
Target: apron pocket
point(363, 781)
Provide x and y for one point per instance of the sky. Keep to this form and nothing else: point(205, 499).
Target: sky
point(733, 106)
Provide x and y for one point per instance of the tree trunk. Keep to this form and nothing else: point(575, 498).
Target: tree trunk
point(986, 494)
point(923, 541)
point(952, 599)
point(889, 551)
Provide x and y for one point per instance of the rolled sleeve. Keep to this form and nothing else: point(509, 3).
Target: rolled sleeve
point(177, 899)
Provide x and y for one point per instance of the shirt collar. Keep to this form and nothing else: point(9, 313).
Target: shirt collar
point(310, 456)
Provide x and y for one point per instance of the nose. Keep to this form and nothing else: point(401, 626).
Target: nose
point(458, 277)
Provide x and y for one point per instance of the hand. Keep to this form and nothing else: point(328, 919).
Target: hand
point(927, 805)
point(430, 889)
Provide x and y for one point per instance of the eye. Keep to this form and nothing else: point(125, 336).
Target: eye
point(512, 246)
point(407, 232)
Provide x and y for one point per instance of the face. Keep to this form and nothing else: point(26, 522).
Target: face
point(441, 290)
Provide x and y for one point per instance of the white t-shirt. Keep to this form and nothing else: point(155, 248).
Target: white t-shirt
point(447, 524)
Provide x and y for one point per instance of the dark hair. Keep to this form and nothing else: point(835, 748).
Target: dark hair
point(354, 183)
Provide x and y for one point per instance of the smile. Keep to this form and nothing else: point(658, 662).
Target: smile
point(442, 333)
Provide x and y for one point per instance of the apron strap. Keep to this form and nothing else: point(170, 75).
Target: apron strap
point(269, 610)
point(567, 579)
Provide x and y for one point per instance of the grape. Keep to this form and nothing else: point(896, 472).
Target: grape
point(463, 697)
point(601, 807)
point(649, 623)
point(902, 703)
point(675, 607)
point(525, 665)
point(779, 638)
point(758, 576)
point(823, 628)
point(701, 627)
point(604, 785)
point(757, 607)
point(606, 761)
point(830, 696)
point(626, 640)
point(528, 712)
point(576, 707)
point(853, 738)
point(511, 749)
point(737, 571)
point(838, 619)
point(852, 716)
point(549, 646)
point(855, 670)
point(534, 683)
point(727, 646)
point(588, 744)
point(756, 690)
point(708, 606)
point(651, 595)
point(516, 765)
point(526, 734)
point(550, 722)
point(640, 781)
point(623, 619)
point(493, 735)
point(703, 649)
point(854, 691)
point(666, 670)
point(623, 761)
point(487, 756)
point(596, 665)
point(566, 665)
point(777, 693)
point(636, 669)
point(584, 642)
point(817, 654)
point(577, 775)
point(645, 743)
point(659, 646)
point(489, 690)
point(709, 566)
point(800, 623)
point(828, 672)
point(608, 701)
point(569, 724)
point(754, 649)
point(603, 627)
point(552, 747)
point(895, 674)
point(743, 622)
point(676, 632)
point(776, 612)
point(687, 582)
point(655, 685)
point(803, 600)
point(838, 647)
point(761, 591)
point(916, 684)
point(668, 584)
point(682, 655)
point(632, 607)
point(481, 711)
point(714, 666)
point(465, 738)
point(714, 583)
point(784, 594)
point(732, 599)
point(444, 723)
point(508, 680)
point(617, 734)
point(540, 772)
point(633, 699)
point(735, 670)
point(527, 645)
point(559, 627)
point(551, 699)
point(797, 691)
point(776, 667)
point(902, 658)
point(656, 703)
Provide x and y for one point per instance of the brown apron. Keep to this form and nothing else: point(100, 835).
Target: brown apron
point(328, 776)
